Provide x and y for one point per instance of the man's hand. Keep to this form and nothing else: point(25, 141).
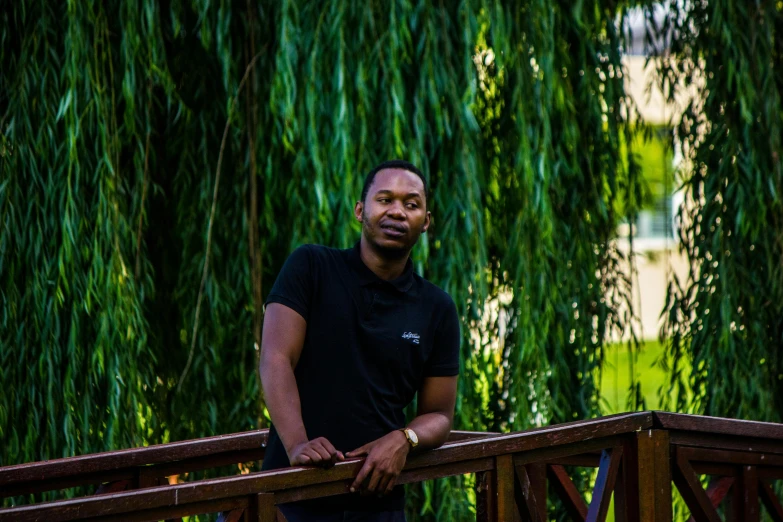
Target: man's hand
point(385, 459)
point(316, 452)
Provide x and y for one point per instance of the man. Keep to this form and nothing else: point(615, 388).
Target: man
point(350, 336)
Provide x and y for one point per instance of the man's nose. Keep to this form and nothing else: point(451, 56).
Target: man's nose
point(397, 211)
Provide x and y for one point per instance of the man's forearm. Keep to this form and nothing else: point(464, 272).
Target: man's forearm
point(282, 400)
point(432, 429)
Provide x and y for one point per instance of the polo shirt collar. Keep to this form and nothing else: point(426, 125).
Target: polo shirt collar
point(402, 283)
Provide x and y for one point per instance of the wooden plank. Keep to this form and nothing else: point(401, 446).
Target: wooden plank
point(485, 496)
point(170, 512)
point(460, 435)
point(583, 460)
point(734, 508)
point(46, 484)
point(546, 439)
point(556, 454)
point(528, 504)
point(504, 486)
point(537, 474)
point(771, 502)
point(564, 488)
point(166, 469)
point(717, 491)
point(645, 477)
point(663, 475)
point(695, 497)
point(750, 458)
point(604, 484)
point(750, 494)
point(445, 470)
point(770, 473)
point(625, 491)
point(201, 453)
point(261, 508)
point(717, 425)
point(127, 458)
point(715, 468)
point(722, 442)
point(293, 494)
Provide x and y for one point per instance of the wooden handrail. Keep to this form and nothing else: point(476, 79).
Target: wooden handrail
point(467, 456)
point(134, 464)
point(639, 455)
point(128, 458)
point(717, 425)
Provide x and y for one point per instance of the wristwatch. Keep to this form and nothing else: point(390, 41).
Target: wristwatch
point(413, 439)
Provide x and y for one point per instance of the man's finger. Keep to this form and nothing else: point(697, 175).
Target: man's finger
point(357, 482)
point(322, 452)
point(383, 485)
point(358, 452)
point(334, 455)
point(390, 485)
point(301, 460)
point(314, 456)
point(328, 446)
point(375, 478)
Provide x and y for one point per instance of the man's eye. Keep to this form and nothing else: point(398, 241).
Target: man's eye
point(384, 200)
point(412, 205)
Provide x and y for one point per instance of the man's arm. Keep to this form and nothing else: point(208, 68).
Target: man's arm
point(386, 456)
point(435, 414)
point(281, 346)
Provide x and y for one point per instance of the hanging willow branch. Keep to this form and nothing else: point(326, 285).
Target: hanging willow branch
point(205, 270)
point(724, 321)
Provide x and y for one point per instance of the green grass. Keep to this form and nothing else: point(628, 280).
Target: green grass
point(617, 371)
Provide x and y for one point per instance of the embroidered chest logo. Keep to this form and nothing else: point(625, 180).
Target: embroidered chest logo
point(411, 336)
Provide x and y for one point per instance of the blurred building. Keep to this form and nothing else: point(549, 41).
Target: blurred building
point(655, 239)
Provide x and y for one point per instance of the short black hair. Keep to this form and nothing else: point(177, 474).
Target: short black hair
point(393, 164)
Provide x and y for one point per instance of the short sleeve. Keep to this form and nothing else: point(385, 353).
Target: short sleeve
point(444, 360)
point(294, 285)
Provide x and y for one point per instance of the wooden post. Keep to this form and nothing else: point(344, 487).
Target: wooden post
point(537, 473)
point(654, 476)
point(626, 506)
point(261, 508)
point(486, 507)
point(504, 473)
point(750, 494)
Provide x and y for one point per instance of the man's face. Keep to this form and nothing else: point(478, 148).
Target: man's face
point(394, 213)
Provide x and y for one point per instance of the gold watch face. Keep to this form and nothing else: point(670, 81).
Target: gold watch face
point(412, 436)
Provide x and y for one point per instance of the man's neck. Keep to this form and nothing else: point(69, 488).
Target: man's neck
point(385, 268)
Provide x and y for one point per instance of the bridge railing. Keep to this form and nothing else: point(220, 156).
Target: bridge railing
point(638, 455)
point(135, 468)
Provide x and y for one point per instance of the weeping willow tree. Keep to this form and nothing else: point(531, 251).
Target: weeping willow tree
point(725, 321)
point(161, 159)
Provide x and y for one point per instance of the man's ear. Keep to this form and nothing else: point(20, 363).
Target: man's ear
point(358, 211)
point(427, 222)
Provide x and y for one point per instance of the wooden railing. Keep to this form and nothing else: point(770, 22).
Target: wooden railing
point(638, 456)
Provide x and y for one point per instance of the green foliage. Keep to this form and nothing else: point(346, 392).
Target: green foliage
point(112, 117)
point(725, 321)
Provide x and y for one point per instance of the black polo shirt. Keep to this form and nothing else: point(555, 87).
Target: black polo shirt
point(368, 347)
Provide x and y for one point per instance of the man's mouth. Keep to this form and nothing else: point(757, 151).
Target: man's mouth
point(393, 229)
